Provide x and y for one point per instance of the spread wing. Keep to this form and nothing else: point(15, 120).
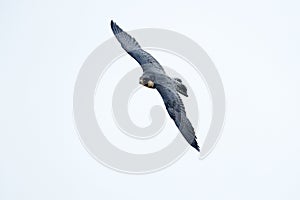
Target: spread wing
point(132, 47)
point(177, 112)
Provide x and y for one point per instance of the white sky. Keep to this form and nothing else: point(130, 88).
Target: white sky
point(255, 46)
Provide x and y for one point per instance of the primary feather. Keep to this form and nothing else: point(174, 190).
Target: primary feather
point(132, 47)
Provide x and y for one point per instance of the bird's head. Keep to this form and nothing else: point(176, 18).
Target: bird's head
point(147, 82)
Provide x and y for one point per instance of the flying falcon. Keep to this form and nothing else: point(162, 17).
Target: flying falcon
point(155, 77)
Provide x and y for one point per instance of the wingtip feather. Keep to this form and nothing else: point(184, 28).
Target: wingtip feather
point(195, 145)
point(115, 28)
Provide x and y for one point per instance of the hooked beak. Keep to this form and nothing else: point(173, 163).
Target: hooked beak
point(150, 83)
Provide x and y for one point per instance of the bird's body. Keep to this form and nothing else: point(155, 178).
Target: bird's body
point(155, 77)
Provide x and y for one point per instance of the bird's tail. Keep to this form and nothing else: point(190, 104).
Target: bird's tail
point(180, 87)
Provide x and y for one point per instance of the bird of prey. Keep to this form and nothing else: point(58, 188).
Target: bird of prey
point(155, 77)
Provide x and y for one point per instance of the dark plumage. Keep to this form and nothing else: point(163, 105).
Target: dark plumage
point(155, 77)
